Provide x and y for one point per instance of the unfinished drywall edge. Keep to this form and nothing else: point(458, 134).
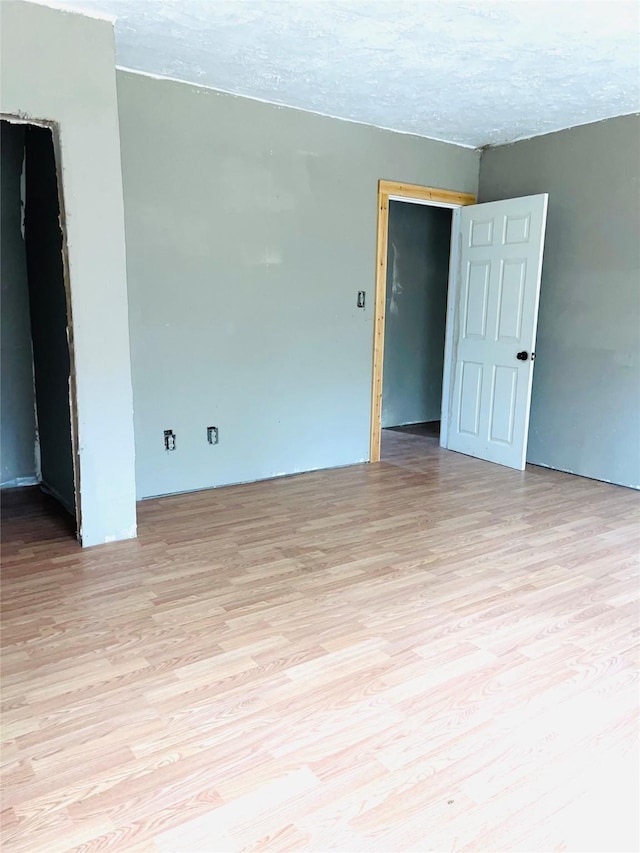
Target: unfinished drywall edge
point(61, 67)
point(73, 386)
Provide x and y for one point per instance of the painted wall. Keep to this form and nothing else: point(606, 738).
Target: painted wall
point(17, 404)
point(585, 414)
point(48, 309)
point(416, 304)
point(60, 67)
point(250, 229)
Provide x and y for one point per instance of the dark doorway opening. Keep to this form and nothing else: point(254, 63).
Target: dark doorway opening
point(36, 413)
point(418, 250)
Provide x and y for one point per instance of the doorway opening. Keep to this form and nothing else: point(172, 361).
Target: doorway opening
point(37, 381)
point(415, 226)
point(418, 249)
point(495, 272)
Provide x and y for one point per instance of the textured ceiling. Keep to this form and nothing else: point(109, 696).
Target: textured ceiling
point(475, 73)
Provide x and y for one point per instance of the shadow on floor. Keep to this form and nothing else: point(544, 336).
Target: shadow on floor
point(31, 515)
point(430, 429)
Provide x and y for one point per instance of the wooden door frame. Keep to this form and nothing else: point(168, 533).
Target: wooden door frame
point(392, 191)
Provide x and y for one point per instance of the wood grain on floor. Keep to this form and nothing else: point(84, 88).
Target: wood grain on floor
point(430, 653)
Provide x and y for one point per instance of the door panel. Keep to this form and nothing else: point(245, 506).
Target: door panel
point(477, 293)
point(503, 404)
point(501, 246)
point(511, 300)
point(470, 390)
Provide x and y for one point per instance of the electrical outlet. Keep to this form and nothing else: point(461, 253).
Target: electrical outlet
point(169, 439)
point(212, 435)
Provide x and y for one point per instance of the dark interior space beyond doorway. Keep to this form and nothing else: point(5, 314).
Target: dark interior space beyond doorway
point(419, 241)
point(36, 435)
point(48, 309)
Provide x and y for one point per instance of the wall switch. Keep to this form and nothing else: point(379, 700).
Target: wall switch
point(169, 439)
point(361, 298)
point(212, 435)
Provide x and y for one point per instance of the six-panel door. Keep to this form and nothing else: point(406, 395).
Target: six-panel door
point(500, 265)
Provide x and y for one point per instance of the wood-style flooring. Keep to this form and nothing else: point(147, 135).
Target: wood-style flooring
point(429, 653)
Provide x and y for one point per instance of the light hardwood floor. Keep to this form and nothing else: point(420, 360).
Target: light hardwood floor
point(430, 653)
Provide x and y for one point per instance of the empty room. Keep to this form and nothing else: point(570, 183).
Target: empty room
point(320, 425)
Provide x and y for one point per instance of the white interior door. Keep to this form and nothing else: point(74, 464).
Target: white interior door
point(500, 247)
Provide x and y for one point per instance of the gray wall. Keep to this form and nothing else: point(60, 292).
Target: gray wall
point(416, 304)
point(250, 228)
point(585, 414)
point(48, 308)
point(17, 404)
point(59, 67)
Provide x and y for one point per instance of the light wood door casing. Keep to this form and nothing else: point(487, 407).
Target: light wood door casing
point(410, 192)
